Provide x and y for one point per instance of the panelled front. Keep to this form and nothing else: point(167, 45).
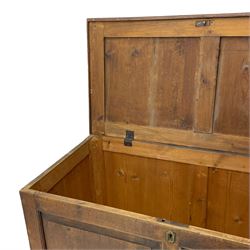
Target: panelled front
point(192, 84)
point(61, 233)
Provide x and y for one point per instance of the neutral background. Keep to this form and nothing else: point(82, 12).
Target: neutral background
point(44, 86)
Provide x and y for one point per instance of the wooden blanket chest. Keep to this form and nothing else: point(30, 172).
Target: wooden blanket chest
point(166, 165)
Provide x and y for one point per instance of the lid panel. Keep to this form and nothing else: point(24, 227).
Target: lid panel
point(232, 102)
point(183, 82)
point(151, 81)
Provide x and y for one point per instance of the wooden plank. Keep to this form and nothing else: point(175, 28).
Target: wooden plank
point(221, 142)
point(238, 198)
point(136, 224)
point(179, 154)
point(153, 67)
point(148, 18)
point(228, 202)
point(33, 220)
point(181, 191)
point(127, 64)
point(206, 83)
point(97, 165)
point(232, 100)
point(116, 195)
point(173, 82)
point(178, 28)
point(181, 188)
point(57, 171)
point(96, 77)
point(76, 184)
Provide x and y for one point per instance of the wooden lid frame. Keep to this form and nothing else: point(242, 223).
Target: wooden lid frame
point(213, 125)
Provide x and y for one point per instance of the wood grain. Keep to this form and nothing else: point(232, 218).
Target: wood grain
point(61, 168)
point(126, 63)
point(97, 169)
point(178, 28)
point(184, 91)
point(179, 137)
point(179, 154)
point(33, 220)
point(232, 100)
point(181, 188)
point(64, 234)
point(136, 225)
point(206, 84)
point(228, 202)
point(77, 184)
point(161, 70)
point(96, 77)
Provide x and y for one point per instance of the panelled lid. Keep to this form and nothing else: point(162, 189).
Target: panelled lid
point(172, 80)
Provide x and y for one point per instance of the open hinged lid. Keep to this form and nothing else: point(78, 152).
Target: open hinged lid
point(173, 80)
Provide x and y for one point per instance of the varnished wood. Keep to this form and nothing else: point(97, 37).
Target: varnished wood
point(33, 220)
point(179, 137)
point(88, 236)
point(228, 202)
point(179, 154)
point(96, 77)
point(206, 84)
point(77, 184)
point(166, 87)
point(133, 185)
point(232, 100)
point(184, 91)
point(178, 28)
point(58, 170)
point(179, 78)
point(136, 224)
point(170, 190)
point(97, 169)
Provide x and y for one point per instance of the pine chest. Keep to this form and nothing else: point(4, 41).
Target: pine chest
point(166, 165)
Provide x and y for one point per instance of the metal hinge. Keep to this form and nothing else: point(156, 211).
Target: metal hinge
point(129, 137)
point(203, 23)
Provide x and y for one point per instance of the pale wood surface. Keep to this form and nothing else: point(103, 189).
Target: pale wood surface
point(157, 81)
point(179, 154)
point(58, 170)
point(178, 28)
point(170, 190)
point(140, 227)
point(77, 183)
point(159, 188)
point(97, 169)
point(228, 202)
point(65, 235)
point(214, 141)
point(206, 84)
point(232, 100)
point(33, 220)
point(96, 77)
point(145, 86)
point(184, 90)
